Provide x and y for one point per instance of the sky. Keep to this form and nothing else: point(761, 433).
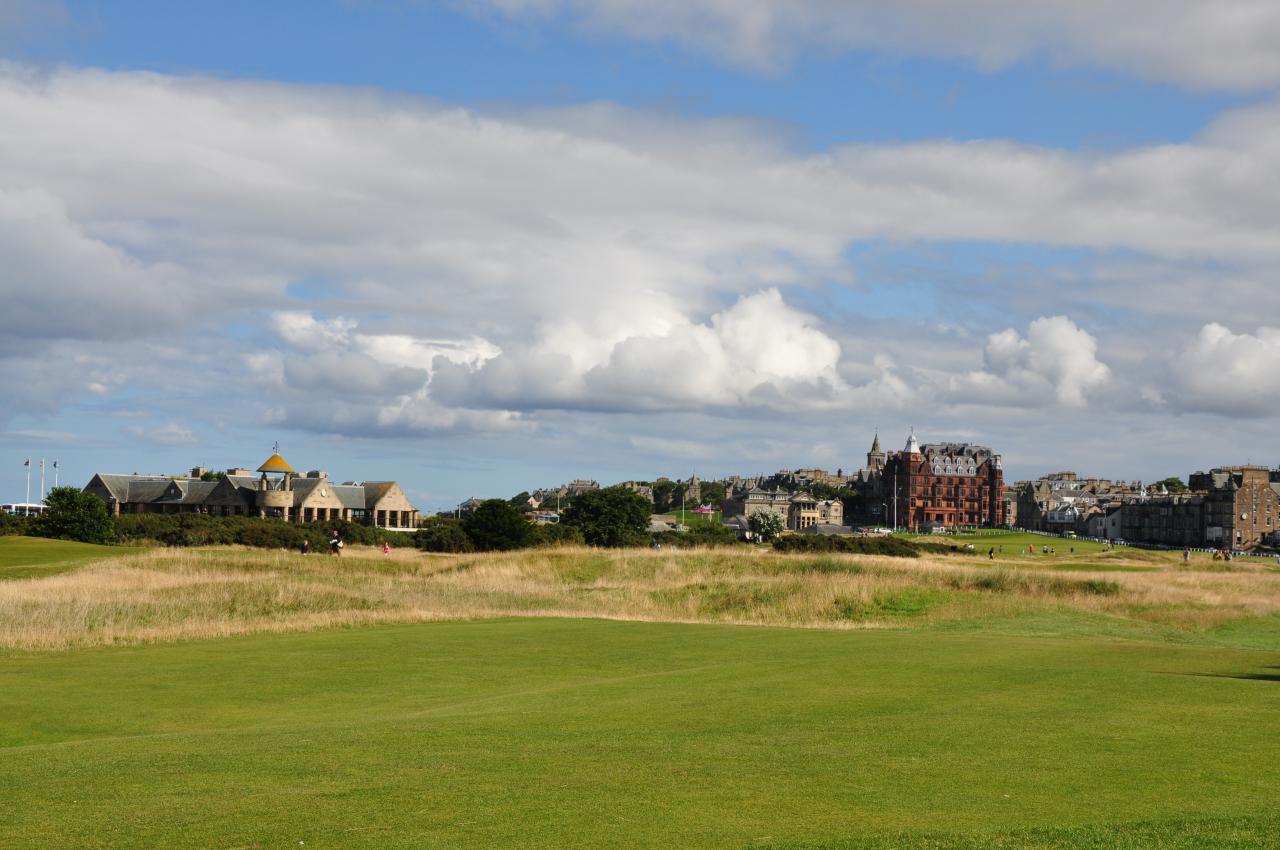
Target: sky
point(486, 246)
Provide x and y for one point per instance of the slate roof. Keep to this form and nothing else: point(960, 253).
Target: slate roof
point(157, 489)
point(375, 490)
point(350, 495)
point(304, 487)
point(190, 492)
point(119, 485)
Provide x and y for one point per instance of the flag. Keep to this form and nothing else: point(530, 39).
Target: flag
point(55, 464)
point(27, 462)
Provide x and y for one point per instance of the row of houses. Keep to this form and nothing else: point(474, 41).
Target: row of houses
point(276, 491)
point(1234, 507)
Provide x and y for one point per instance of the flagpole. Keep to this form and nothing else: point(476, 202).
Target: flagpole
point(42, 480)
point(55, 475)
point(28, 466)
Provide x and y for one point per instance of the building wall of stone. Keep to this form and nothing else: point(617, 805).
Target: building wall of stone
point(1167, 521)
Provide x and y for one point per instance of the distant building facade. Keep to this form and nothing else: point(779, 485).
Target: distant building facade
point(948, 484)
point(278, 492)
point(1230, 507)
point(797, 511)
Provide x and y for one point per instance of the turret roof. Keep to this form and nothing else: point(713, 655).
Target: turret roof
point(275, 463)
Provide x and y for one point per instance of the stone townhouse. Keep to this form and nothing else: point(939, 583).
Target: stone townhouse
point(797, 511)
point(1235, 507)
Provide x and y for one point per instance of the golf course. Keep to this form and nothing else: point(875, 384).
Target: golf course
point(579, 698)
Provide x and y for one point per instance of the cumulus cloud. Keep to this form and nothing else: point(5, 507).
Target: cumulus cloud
point(327, 375)
point(1229, 44)
point(1056, 361)
point(758, 352)
point(1230, 373)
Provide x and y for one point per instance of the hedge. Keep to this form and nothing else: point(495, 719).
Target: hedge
point(894, 546)
point(201, 530)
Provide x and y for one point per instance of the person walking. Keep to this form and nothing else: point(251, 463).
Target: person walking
point(386, 548)
point(335, 545)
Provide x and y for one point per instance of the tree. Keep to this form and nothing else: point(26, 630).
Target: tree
point(212, 476)
point(765, 525)
point(498, 526)
point(712, 493)
point(1174, 484)
point(521, 500)
point(850, 500)
point(613, 516)
point(663, 491)
point(442, 534)
point(74, 515)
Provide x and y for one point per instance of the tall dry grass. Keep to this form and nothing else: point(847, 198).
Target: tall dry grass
point(167, 594)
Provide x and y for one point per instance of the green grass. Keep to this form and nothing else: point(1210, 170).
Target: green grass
point(1077, 554)
point(590, 734)
point(688, 517)
point(1014, 541)
point(31, 557)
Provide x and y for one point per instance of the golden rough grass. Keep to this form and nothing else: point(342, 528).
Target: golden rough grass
point(169, 594)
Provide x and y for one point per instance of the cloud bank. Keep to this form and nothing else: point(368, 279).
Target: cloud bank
point(387, 266)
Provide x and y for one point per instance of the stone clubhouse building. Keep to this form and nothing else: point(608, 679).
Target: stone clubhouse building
point(276, 492)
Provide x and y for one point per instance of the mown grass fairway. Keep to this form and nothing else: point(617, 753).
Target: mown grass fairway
point(30, 557)
point(233, 698)
point(572, 733)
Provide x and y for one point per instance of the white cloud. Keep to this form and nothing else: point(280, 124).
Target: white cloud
point(1057, 361)
point(1227, 44)
point(483, 265)
point(758, 352)
point(1229, 373)
point(328, 375)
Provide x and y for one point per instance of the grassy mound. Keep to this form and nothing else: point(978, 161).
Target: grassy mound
point(168, 594)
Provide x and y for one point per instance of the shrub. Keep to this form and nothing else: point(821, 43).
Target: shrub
point(74, 515)
point(555, 534)
point(697, 535)
point(497, 526)
point(202, 530)
point(10, 525)
point(894, 546)
point(442, 534)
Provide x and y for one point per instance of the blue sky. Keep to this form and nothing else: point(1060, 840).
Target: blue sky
point(488, 246)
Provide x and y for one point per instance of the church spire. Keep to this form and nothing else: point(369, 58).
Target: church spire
point(875, 444)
